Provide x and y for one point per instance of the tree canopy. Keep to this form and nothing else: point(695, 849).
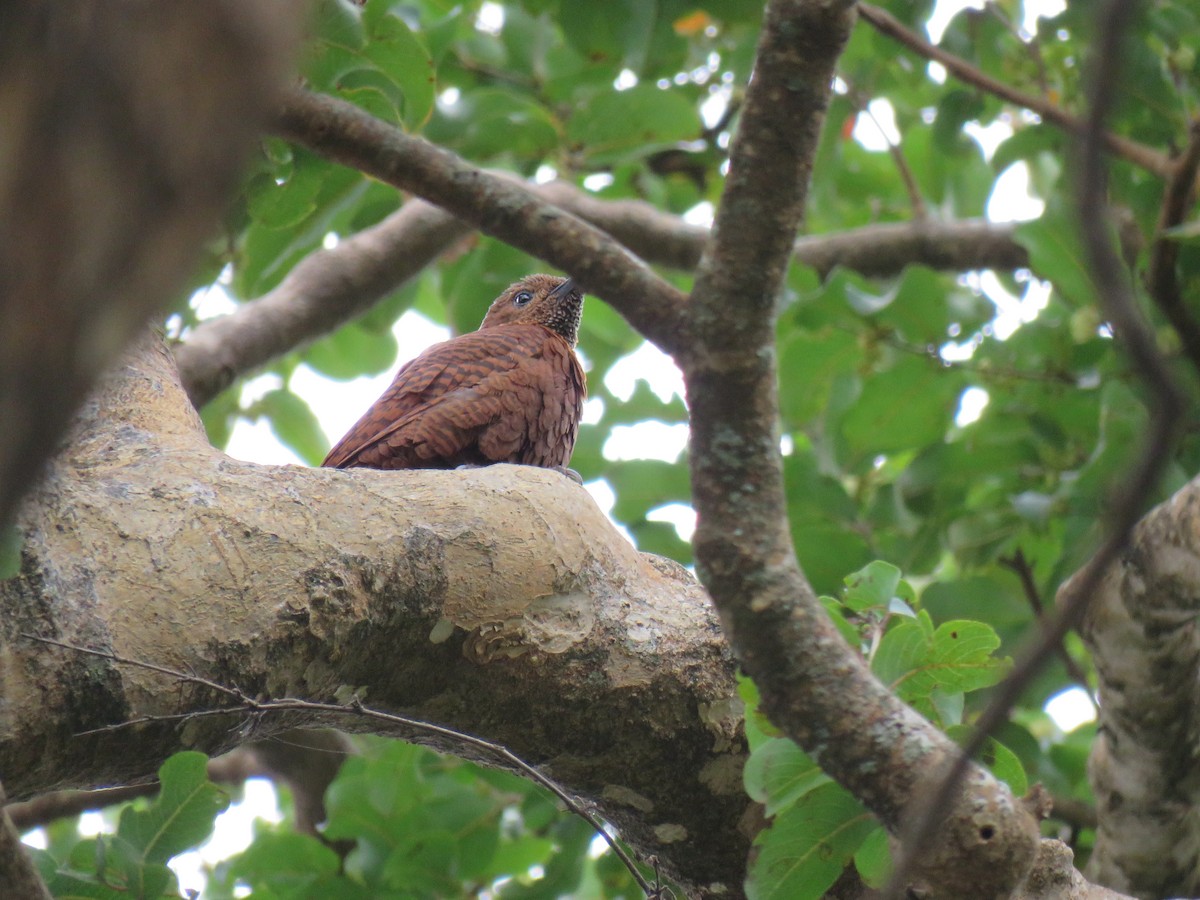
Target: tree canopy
point(951, 420)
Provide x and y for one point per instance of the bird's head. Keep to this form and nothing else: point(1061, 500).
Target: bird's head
point(539, 300)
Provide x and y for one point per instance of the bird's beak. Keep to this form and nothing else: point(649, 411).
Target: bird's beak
point(563, 290)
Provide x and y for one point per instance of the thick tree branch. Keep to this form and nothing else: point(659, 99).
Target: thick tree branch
point(875, 250)
point(813, 685)
point(124, 131)
point(885, 249)
point(344, 133)
point(1054, 877)
point(499, 602)
point(332, 286)
point(324, 290)
point(1076, 813)
point(1139, 154)
point(1142, 631)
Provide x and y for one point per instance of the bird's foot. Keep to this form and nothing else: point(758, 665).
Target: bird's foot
point(570, 473)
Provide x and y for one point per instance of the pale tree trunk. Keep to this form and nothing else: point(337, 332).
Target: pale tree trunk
point(1142, 631)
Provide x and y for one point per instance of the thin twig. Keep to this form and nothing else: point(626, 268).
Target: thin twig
point(246, 704)
point(732, 108)
point(1139, 154)
point(1162, 279)
point(986, 373)
point(1019, 564)
point(235, 693)
point(920, 211)
point(1118, 304)
point(1031, 45)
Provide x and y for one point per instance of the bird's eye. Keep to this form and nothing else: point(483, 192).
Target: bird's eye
point(522, 298)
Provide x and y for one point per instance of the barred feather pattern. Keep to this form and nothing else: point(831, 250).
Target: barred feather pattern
point(512, 391)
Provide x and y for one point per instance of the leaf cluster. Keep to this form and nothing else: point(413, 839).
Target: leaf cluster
point(817, 827)
point(133, 861)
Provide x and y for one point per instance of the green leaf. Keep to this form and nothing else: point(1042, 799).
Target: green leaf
point(391, 75)
point(1026, 143)
point(11, 541)
point(847, 631)
point(352, 351)
point(643, 405)
point(909, 405)
point(140, 877)
point(614, 32)
point(998, 759)
point(266, 254)
point(874, 859)
point(955, 109)
point(402, 56)
point(779, 773)
point(645, 484)
point(496, 122)
point(339, 22)
point(293, 422)
point(662, 539)
point(285, 862)
point(914, 659)
point(1056, 253)
point(287, 204)
point(809, 362)
point(422, 865)
point(182, 814)
point(995, 599)
point(563, 872)
point(808, 845)
point(69, 883)
point(219, 416)
point(828, 552)
point(927, 305)
point(759, 729)
point(516, 857)
point(619, 125)
point(874, 586)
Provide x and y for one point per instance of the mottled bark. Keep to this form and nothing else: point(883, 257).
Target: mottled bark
point(498, 601)
point(813, 685)
point(1142, 630)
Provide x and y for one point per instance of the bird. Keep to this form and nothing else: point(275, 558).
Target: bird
point(510, 392)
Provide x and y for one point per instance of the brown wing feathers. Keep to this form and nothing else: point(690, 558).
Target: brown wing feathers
point(511, 392)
